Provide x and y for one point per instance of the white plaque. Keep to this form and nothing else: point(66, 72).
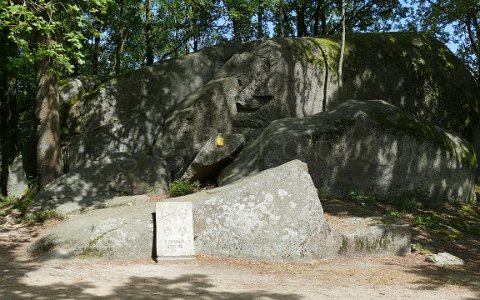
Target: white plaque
point(174, 222)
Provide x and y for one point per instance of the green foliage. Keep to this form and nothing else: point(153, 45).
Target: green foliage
point(44, 216)
point(182, 187)
point(453, 21)
point(5, 201)
point(393, 215)
point(417, 247)
point(23, 203)
point(362, 198)
point(428, 221)
point(408, 204)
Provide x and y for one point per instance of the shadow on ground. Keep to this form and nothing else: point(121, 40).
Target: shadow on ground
point(462, 220)
point(14, 272)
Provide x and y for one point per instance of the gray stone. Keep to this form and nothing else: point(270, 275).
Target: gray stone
point(212, 159)
point(274, 215)
point(174, 221)
point(72, 89)
point(17, 179)
point(369, 146)
point(444, 259)
point(371, 236)
point(127, 113)
point(171, 109)
point(91, 185)
point(192, 123)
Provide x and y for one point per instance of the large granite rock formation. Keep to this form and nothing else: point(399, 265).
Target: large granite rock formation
point(93, 184)
point(369, 146)
point(273, 215)
point(172, 108)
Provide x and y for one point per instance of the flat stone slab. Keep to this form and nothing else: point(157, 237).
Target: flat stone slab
point(174, 221)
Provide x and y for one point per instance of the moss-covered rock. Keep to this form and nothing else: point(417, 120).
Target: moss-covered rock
point(171, 109)
point(369, 146)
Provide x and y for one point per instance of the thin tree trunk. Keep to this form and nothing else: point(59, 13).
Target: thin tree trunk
point(195, 42)
point(260, 22)
point(148, 32)
point(281, 19)
point(316, 18)
point(120, 40)
point(49, 160)
point(96, 49)
point(474, 41)
point(187, 32)
point(342, 49)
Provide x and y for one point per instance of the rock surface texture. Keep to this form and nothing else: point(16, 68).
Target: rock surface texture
point(172, 108)
point(445, 259)
point(369, 146)
point(274, 215)
point(212, 158)
point(91, 185)
point(17, 179)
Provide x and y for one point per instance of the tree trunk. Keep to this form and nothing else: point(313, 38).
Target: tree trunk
point(260, 22)
point(8, 111)
point(342, 49)
point(471, 24)
point(96, 49)
point(281, 19)
point(120, 39)
point(237, 30)
point(49, 160)
point(148, 32)
point(195, 42)
point(301, 25)
point(316, 18)
point(188, 30)
point(324, 22)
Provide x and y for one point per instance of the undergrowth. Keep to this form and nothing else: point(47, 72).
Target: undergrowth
point(182, 187)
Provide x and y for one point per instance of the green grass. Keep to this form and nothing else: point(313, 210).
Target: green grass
point(44, 216)
point(182, 187)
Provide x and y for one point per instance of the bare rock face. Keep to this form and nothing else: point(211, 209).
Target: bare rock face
point(17, 179)
point(169, 110)
point(274, 215)
point(91, 185)
point(369, 146)
point(172, 108)
point(212, 158)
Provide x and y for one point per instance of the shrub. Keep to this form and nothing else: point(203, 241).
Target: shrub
point(362, 198)
point(428, 221)
point(393, 214)
point(5, 201)
point(408, 204)
point(182, 187)
point(44, 216)
point(23, 203)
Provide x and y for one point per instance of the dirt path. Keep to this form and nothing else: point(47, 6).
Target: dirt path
point(213, 278)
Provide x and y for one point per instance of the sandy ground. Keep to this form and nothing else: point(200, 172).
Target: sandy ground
point(215, 278)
